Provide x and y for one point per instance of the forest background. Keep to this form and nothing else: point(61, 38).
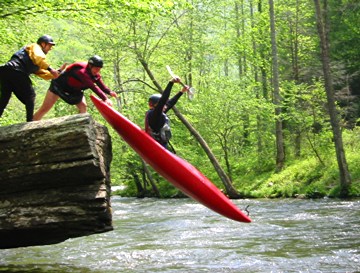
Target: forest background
point(260, 124)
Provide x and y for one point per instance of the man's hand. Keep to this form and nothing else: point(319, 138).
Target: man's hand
point(185, 88)
point(113, 94)
point(62, 68)
point(55, 73)
point(109, 102)
point(176, 79)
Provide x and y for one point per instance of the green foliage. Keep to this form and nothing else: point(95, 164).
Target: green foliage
point(307, 177)
point(221, 49)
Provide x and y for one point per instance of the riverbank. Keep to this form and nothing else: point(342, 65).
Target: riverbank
point(306, 178)
point(313, 175)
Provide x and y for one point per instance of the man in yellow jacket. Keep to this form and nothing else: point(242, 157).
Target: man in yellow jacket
point(15, 74)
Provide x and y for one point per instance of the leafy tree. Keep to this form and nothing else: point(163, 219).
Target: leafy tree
point(224, 51)
point(322, 25)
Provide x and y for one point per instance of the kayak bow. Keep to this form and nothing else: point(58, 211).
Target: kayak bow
point(176, 170)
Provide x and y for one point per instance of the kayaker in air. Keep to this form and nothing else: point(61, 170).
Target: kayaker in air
point(71, 84)
point(157, 123)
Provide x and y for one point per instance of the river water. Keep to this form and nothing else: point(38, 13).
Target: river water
point(180, 235)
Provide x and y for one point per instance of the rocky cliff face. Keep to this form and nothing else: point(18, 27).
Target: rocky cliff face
point(54, 181)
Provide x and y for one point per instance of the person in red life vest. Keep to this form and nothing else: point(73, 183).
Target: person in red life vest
point(15, 74)
point(157, 123)
point(70, 86)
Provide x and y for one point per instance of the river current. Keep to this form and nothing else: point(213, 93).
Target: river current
point(182, 236)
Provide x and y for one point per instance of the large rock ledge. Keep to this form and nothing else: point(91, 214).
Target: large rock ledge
point(54, 181)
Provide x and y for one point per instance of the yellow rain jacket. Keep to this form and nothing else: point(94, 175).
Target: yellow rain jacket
point(38, 57)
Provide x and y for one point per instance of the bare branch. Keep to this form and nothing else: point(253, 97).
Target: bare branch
point(139, 80)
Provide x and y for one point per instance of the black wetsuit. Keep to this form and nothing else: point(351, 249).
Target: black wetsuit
point(156, 118)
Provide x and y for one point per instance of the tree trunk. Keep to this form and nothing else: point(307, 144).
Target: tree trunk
point(230, 190)
point(261, 47)
point(149, 176)
point(280, 152)
point(345, 179)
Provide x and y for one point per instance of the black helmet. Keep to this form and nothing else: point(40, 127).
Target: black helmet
point(154, 98)
point(96, 61)
point(46, 39)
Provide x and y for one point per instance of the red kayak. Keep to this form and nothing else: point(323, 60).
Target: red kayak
point(177, 171)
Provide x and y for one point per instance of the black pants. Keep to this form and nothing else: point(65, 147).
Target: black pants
point(12, 81)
